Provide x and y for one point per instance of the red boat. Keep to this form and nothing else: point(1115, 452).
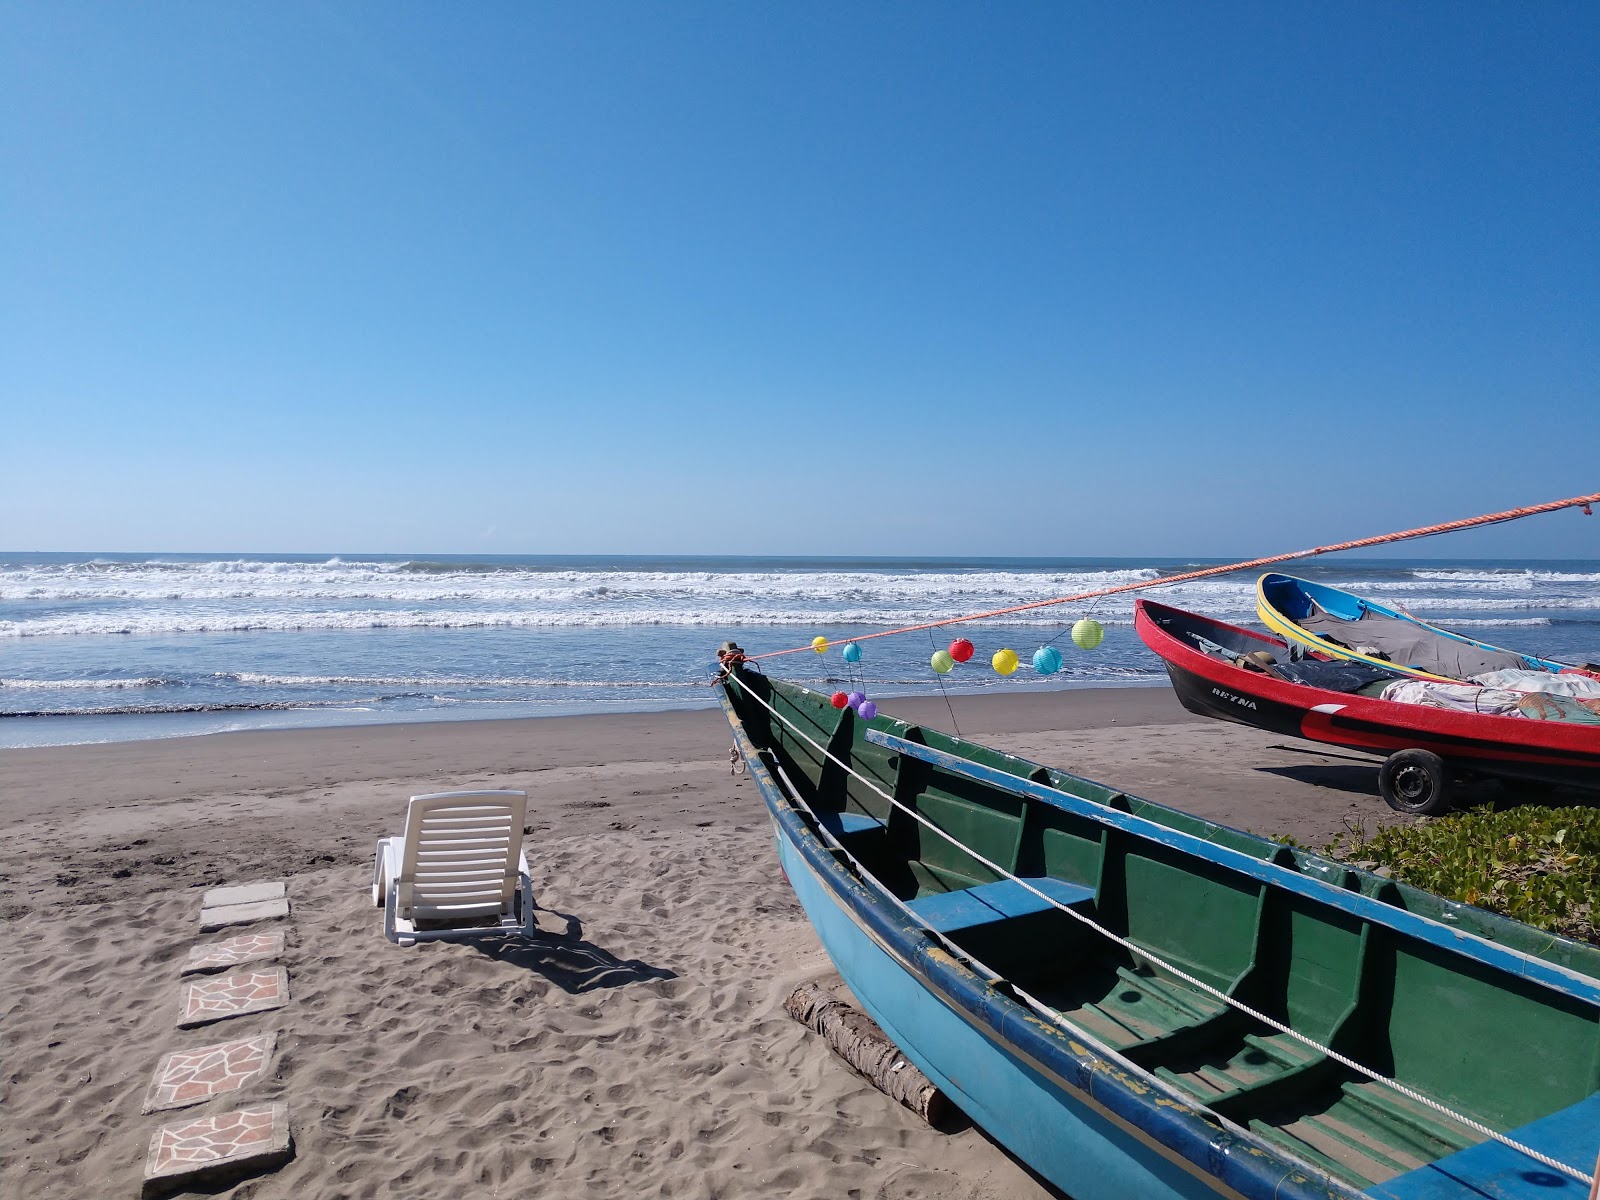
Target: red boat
point(1221, 670)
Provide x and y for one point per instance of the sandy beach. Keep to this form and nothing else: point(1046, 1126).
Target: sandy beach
point(639, 1048)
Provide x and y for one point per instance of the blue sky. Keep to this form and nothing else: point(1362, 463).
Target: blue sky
point(1052, 279)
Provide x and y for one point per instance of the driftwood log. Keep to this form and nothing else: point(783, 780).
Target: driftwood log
point(856, 1038)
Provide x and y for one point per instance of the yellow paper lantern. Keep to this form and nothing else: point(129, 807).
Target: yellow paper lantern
point(819, 644)
point(1004, 661)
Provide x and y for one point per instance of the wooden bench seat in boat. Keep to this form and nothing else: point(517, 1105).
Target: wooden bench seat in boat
point(990, 902)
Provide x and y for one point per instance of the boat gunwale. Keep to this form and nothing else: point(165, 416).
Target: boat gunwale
point(1181, 657)
point(1567, 981)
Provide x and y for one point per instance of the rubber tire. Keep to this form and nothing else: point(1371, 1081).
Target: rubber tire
point(1415, 782)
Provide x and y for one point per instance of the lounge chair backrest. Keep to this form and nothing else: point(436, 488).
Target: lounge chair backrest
point(461, 854)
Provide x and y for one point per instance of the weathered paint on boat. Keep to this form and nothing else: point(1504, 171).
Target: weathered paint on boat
point(1088, 1117)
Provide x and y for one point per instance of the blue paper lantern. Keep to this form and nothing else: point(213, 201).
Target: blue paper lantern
point(851, 652)
point(1047, 660)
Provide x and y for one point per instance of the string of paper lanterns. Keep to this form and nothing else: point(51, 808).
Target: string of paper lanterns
point(1086, 635)
point(855, 700)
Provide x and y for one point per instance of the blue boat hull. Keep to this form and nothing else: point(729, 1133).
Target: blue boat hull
point(1085, 1152)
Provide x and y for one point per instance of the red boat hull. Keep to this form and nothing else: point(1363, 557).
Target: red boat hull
point(1553, 752)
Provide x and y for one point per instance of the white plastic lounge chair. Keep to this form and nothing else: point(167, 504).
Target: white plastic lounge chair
point(458, 871)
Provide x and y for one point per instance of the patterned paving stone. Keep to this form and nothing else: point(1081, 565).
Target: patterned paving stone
point(243, 893)
point(234, 952)
point(210, 1149)
point(188, 1077)
point(219, 997)
point(241, 914)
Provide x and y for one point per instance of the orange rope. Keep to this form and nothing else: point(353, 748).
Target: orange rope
point(1510, 514)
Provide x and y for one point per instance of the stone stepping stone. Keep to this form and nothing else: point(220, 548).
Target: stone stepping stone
point(188, 1077)
point(223, 915)
point(244, 893)
point(219, 997)
point(233, 952)
point(211, 1149)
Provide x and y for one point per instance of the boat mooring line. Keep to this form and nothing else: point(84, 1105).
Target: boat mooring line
point(1586, 503)
point(954, 724)
point(1140, 952)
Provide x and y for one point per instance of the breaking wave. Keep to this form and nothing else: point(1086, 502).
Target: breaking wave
point(437, 681)
point(403, 637)
point(87, 684)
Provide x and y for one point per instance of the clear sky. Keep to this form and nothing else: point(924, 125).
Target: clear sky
point(1053, 279)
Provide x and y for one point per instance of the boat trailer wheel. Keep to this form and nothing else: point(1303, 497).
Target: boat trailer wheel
point(1414, 781)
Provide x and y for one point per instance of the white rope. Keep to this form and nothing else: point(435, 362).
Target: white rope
point(1052, 1015)
point(1141, 952)
point(982, 968)
point(979, 966)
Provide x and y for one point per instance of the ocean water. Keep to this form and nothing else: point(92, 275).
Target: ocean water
point(114, 647)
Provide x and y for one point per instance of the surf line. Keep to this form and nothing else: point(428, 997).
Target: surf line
point(1511, 514)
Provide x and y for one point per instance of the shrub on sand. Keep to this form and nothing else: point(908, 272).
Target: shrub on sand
point(1540, 866)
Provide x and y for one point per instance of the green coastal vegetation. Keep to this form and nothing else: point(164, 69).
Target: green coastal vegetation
point(1540, 866)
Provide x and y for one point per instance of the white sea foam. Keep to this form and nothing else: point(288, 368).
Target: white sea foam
point(229, 596)
point(385, 582)
point(1482, 602)
point(1497, 622)
point(1504, 576)
point(437, 681)
point(74, 685)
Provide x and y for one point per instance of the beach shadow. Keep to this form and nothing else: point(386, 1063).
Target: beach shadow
point(1045, 1185)
point(1360, 777)
point(1360, 780)
point(566, 960)
point(1322, 751)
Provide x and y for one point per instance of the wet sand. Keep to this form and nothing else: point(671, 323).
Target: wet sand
point(640, 1049)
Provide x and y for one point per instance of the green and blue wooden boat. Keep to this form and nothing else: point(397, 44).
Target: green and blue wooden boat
point(1139, 1003)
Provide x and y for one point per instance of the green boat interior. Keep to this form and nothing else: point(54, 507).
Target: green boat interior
point(1406, 1008)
